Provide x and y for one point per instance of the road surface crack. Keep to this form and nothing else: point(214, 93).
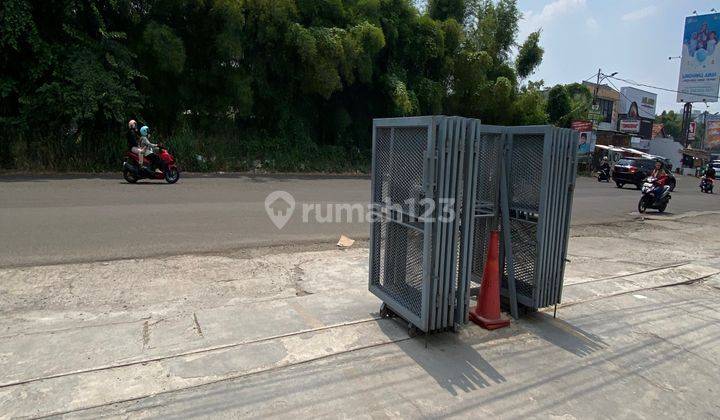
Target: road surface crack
point(146, 332)
point(197, 325)
point(296, 277)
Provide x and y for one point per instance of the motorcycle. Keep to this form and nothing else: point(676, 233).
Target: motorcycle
point(648, 200)
point(133, 171)
point(706, 185)
point(603, 175)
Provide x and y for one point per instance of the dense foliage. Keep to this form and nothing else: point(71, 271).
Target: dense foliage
point(568, 103)
point(672, 123)
point(236, 84)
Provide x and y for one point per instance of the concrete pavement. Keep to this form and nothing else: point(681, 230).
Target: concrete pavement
point(269, 333)
point(69, 219)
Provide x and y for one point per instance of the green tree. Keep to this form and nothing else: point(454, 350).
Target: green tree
point(484, 81)
point(66, 73)
point(529, 55)
point(672, 123)
point(285, 84)
point(530, 106)
point(580, 102)
point(447, 9)
point(558, 104)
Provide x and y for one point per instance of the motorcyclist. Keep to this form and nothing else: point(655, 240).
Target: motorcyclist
point(133, 137)
point(710, 172)
point(146, 148)
point(605, 165)
point(661, 178)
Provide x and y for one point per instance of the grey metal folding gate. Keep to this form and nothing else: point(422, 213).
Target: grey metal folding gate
point(417, 190)
point(400, 238)
point(481, 208)
point(439, 186)
point(541, 171)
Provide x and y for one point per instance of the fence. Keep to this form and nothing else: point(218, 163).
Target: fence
point(439, 186)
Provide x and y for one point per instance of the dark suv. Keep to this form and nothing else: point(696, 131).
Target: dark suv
point(634, 171)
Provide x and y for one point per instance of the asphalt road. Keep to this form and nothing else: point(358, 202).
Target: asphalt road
point(65, 219)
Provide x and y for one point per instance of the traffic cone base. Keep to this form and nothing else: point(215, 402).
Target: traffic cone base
point(488, 324)
point(487, 311)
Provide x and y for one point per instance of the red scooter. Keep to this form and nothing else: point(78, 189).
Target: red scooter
point(169, 171)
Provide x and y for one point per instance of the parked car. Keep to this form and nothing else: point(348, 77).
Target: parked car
point(634, 171)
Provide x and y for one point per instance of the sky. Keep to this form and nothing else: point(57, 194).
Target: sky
point(631, 37)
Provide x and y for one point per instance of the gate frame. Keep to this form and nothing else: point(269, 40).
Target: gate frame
point(429, 187)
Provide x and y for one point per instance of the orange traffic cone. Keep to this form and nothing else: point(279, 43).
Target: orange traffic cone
point(487, 311)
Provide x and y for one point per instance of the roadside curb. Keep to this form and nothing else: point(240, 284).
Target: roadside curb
point(191, 175)
point(676, 216)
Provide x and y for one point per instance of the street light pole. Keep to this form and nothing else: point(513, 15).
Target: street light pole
point(600, 78)
point(597, 86)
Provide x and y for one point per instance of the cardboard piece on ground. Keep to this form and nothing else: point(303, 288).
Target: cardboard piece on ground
point(345, 242)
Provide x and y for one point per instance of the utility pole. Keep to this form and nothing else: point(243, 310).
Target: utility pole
point(687, 113)
point(600, 77)
point(705, 115)
point(597, 86)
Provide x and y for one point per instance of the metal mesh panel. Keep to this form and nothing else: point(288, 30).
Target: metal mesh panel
point(400, 242)
point(526, 171)
point(383, 159)
point(481, 235)
point(524, 241)
point(487, 178)
point(423, 268)
point(486, 196)
point(406, 179)
point(398, 270)
point(377, 257)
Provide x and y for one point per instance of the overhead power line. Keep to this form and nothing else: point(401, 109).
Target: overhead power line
point(618, 89)
point(632, 82)
point(587, 79)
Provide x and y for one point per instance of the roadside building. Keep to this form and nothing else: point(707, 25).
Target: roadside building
point(608, 100)
point(637, 112)
point(608, 106)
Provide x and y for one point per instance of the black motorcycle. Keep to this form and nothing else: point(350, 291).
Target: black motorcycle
point(648, 199)
point(603, 175)
point(706, 185)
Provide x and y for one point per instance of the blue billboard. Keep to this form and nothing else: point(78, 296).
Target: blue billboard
point(699, 79)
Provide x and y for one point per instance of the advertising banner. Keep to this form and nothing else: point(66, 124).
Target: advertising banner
point(586, 143)
point(700, 64)
point(712, 135)
point(630, 126)
point(594, 115)
point(581, 125)
point(657, 130)
point(691, 130)
point(644, 101)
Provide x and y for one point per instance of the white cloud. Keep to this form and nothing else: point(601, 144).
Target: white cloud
point(550, 12)
point(639, 14)
point(592, 24)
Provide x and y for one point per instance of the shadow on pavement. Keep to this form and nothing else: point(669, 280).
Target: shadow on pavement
point(452, 361)
point(563, 334)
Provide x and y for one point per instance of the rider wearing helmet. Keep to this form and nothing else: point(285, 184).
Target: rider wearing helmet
point(661, 178)
point(605, 164)
point(710, 172)
point(146, 148)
